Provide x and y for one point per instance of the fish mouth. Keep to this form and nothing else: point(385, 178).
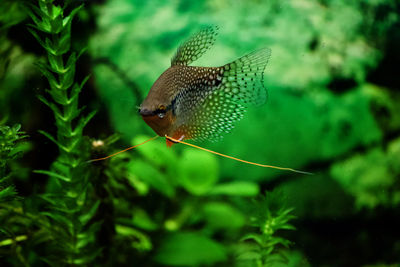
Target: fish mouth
point(146, 112)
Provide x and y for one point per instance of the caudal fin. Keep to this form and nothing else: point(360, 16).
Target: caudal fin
point(243, 78)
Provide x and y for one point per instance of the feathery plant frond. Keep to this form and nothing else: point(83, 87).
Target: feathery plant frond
point(9, 150)
point(69, 201)
point(268, 216)
point(9, 136)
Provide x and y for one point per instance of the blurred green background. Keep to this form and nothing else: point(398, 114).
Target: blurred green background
point(333, 109)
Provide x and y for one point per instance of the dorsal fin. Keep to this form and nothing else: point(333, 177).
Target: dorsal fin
point(195, 46)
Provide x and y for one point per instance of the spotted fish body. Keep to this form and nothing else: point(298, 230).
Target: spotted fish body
point(188, 102)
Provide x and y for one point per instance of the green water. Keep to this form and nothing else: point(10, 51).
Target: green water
point(333, 110)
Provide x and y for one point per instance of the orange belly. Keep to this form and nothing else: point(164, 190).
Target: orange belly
point(180, 134)
point(165, 126)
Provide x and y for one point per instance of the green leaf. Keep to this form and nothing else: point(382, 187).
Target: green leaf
point(198, 171)
point(67, 78)
point(151, 176)
point(142, 220)
point(67, 20)
point(253, 236)
point(7, 193)
point(16, 127)
point(76, 89)
point(51, 138)
point(70, 62)
point(71, 111)
point(53, 174)
point(59, 203)
point(56, 24)
point(56, 63)
point(85, 218)
point(248, 259)
point(82, 122)
point(190, 249)
point(64, 43)
point(51, 47)
point(139, 241)
point(220, 215)
point(83, 50)
point(5, 178)
point(64, 221)
point(88, 236)
point(51, 105)
point(239, 188)
point(50, 76)
point(87, 257)
point(32, 11)
point(56, 12)
point(64, 130)
point(58, 96)
point(35, 13)
point(156, 153)
point(38, 39)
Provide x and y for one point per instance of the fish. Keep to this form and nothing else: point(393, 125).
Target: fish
point(204, 103)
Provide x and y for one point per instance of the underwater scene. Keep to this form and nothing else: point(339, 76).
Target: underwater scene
point(200, 133)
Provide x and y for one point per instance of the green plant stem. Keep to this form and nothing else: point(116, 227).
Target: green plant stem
point(69, 193)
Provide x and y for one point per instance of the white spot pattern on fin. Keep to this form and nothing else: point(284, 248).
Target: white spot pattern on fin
point(209, 106)
point(243, 79)
point(195, 46)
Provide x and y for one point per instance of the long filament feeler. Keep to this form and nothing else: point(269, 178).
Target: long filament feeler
point(241, 160)
point(126, 149)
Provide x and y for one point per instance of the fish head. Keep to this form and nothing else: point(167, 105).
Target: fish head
point(157, 109)
point(161, 123)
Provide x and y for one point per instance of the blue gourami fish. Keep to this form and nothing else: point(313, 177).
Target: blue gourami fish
point(203, 103)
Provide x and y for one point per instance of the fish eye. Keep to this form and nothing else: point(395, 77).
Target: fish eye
point(161, 111)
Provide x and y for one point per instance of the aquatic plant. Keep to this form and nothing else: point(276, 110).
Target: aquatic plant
point(261, 244)
point(72, 228)
point(10, 150)
point(330, 111)
point(69, 205)
point(11, 13)
point(9, 138)
point(197, 216)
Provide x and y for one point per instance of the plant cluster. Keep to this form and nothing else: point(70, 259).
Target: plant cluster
point(333, 107)
point(69, 205)
point(200, 220)
point(151, 207)
point(9, 138)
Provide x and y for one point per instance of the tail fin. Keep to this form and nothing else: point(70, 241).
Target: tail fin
point(243, 78)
